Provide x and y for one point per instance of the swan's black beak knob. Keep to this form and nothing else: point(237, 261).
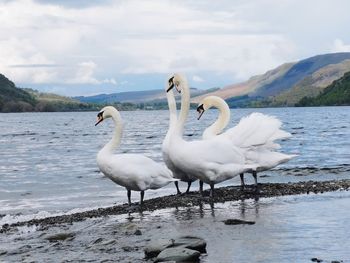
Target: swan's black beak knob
point(99, 118)
point(170, 84)
point(200, 110)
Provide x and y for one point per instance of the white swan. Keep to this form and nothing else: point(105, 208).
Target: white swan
point(133, 171)
point(177, 173)
point(256, 134)
point(211, 161)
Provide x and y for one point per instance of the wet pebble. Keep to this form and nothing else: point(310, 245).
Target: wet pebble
point(238, 222)
point(60, 236)
point(138, 232)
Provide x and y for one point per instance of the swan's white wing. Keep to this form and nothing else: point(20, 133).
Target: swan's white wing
point(213, 160)
point(135, 172)
point(267, 159)
point(256, 129)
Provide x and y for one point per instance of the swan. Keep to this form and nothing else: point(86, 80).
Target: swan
point(211, 161)
point(135, 172)
point(267, 128)
point(177, 173)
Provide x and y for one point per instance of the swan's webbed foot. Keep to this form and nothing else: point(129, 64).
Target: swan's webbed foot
point(188, 187)
point(177, 187)
point(201, 188)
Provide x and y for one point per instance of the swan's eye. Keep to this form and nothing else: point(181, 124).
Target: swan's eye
point(170, 84)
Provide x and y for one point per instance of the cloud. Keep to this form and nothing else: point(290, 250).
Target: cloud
point(340, 46)
point(97, 42)
point(196, 78)
point(85, 75)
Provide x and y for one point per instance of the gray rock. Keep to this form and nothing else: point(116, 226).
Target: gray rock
point(138, 232)
point(238, 222)
point(189, 242)
point(59, 236)
point(156, 246)
point(195, 243)
point(178, 254)
point(3, 252)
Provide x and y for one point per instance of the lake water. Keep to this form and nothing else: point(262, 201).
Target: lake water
point(48, 160)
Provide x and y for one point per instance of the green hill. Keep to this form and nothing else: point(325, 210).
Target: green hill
point(336, 94)
point(13, 98)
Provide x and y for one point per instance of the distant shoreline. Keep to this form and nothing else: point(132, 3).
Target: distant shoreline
point(192, 107)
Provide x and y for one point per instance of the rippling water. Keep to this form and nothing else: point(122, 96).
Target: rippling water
point(48, 159)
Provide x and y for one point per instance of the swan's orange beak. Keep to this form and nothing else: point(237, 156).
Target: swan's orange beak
point(200, 110)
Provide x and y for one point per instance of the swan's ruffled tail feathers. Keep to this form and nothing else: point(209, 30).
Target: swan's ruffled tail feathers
point(256, 130)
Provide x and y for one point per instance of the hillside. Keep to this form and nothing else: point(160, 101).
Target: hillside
point(288, 83)
point(338, 93)
point(13, 98)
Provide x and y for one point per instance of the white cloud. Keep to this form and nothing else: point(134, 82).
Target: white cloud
point(233, 38)
point(196, 78)
point(340, 46)
point(85, 75)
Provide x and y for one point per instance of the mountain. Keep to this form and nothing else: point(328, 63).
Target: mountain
point(288, 83)
point(157, 95)
point(338, 93)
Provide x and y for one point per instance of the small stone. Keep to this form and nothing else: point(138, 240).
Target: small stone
point(3, 252)
point(127, 248)
point(238, 222)
point(60, 237)
point(138, 232)
point(178, 254)
point(99, 240)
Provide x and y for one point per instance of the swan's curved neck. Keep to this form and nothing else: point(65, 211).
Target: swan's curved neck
point(221, 122)
point(185, 106)
point(172, 109)
point(118, 130)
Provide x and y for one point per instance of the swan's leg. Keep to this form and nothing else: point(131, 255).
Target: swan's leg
point(177, 187)
point(242, 180)
point(142, 195)
point(129, 196)
point(211, 189)
point(201, 187)
point(188, 187)
point(255, 179)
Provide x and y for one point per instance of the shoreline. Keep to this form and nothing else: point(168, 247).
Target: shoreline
point(221, 195)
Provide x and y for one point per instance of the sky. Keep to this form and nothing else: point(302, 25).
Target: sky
point(91, 47)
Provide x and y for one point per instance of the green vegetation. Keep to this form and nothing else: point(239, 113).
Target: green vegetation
point(13, 98)
point(336, 94)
